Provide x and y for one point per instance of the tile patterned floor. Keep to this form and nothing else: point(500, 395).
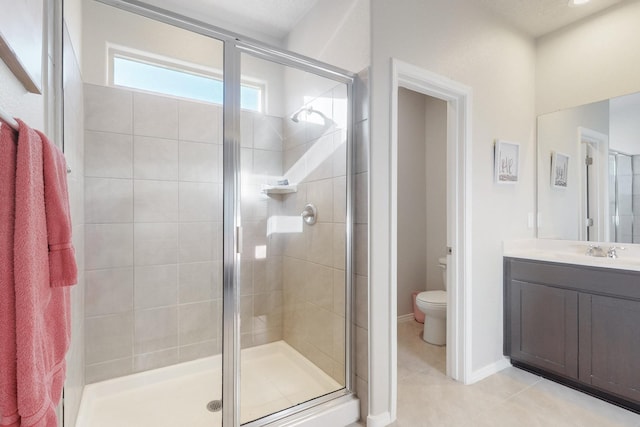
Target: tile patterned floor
point(512, 397)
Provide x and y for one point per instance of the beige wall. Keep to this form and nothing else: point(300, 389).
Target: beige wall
point(592, 60)
point(156, 38)
point(335, 32)
point(422, 194)
point(103, 25)
point(17, 102)
point(412, 198)
point(436, 171)
point(73, 20)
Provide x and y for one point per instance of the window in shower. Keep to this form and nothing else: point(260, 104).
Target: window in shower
point(174, 79)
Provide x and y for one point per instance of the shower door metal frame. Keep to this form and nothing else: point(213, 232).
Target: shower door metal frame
point(234, 45)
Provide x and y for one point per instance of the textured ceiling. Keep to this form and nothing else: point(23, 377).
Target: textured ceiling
point(539, 17)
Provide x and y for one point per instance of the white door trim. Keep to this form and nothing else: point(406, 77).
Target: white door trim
point(600, 145)
point(458, 98)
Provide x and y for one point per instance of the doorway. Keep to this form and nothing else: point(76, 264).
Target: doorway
point(458, 206)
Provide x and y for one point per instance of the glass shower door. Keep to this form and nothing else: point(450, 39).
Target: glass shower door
point(293, 265)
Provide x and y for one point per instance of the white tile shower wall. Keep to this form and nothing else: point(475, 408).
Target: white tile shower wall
point(313, 261)
point(152, 231)
point(261, 302)
point(153, 191)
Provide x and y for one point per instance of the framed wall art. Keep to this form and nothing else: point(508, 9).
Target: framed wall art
point(559, 170)
point(507, 162)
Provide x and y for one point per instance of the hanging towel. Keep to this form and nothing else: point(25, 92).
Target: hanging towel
point(8, 386)
point(43, 268)
point(62, 262)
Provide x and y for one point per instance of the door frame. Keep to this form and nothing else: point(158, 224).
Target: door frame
point(600, 144)
point(341, 404)
point(459, 100)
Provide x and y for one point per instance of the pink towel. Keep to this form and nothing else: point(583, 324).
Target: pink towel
point(43, 266)
point(8, 387)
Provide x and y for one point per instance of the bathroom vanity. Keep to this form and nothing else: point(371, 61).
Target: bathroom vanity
point(575, 324)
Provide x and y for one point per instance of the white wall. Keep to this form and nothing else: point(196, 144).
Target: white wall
point(17, 102)
point(104, 24)
point(73, 19)
point(459, 41)
point(412, 198)
point(559, 208)
point(335, 32)
point(436, 171)
point(624, 126)
point(593, 60)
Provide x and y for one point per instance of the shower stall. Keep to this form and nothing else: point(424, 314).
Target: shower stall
point(218, 236)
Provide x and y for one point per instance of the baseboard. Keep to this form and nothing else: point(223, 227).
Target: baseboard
point(405, 318)
point(489, 370)
point(380, 420)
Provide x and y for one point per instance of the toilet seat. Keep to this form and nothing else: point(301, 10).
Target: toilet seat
point(433, 298)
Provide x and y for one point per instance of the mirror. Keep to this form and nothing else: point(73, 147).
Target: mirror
point(589, 170)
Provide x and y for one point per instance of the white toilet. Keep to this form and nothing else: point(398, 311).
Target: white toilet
point(434, 306)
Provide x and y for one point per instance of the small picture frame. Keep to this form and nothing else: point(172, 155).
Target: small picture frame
point(506, 162)
point(559, 170)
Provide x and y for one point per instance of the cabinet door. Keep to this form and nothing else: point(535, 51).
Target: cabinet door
point(610, 344)
point(544, 327)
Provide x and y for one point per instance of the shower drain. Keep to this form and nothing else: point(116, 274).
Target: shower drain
point(214, 405)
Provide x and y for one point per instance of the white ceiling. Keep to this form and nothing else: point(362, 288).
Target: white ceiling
point(276, 18)
point(539, 17)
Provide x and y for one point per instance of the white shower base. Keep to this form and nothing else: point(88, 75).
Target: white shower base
point(274, 377)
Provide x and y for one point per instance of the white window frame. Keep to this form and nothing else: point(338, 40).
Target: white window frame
point(116, 51)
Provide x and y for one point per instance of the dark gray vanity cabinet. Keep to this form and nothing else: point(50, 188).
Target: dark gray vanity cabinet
point(544, 327)
point(609, 349)
point(575, 324)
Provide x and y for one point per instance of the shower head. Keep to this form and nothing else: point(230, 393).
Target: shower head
point(308, 110)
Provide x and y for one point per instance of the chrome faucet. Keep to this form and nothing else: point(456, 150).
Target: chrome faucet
point(613, 251)
point(596, 251)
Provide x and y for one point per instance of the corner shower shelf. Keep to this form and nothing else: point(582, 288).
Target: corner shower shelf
point(279, 189)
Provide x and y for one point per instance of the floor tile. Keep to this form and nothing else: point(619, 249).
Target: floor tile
point(512, 397)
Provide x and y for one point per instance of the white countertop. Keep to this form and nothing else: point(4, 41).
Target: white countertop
point(573, 252)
